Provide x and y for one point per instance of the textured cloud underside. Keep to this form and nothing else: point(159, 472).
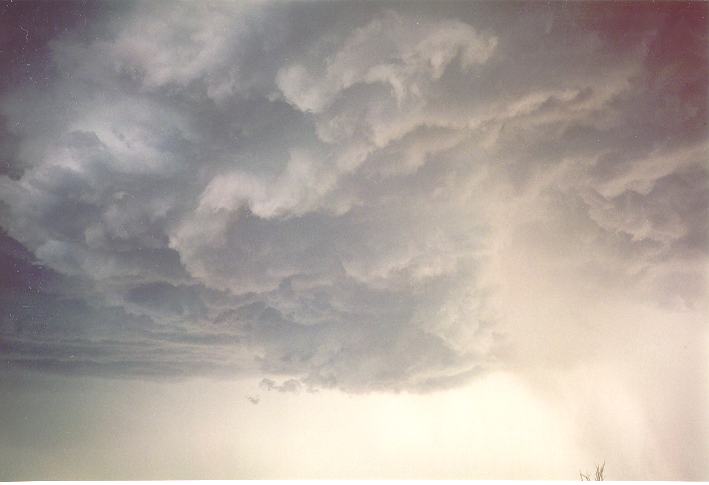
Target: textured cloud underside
point(347, 195)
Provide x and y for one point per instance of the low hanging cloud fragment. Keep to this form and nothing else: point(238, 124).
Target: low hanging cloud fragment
point(290, 385)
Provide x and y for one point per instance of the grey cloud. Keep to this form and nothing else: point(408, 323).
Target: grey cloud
point(321, 192)
point(291, 385)
point(164, 298)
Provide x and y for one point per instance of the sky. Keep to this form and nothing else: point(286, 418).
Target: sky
point(353, 240)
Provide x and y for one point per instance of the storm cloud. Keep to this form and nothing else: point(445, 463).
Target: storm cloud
point(352, 195)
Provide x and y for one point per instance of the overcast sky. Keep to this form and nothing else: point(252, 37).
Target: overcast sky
point(353, 240)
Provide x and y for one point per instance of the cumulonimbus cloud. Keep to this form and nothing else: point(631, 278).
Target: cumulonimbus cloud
point(356, 204)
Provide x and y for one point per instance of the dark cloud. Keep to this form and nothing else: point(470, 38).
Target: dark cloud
point(322, 192)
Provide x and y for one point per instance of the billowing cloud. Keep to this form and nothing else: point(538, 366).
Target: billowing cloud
point(356, 196)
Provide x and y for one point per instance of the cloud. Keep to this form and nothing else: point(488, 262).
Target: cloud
point(403, 54)
point(353, 196)
point(291, 385)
